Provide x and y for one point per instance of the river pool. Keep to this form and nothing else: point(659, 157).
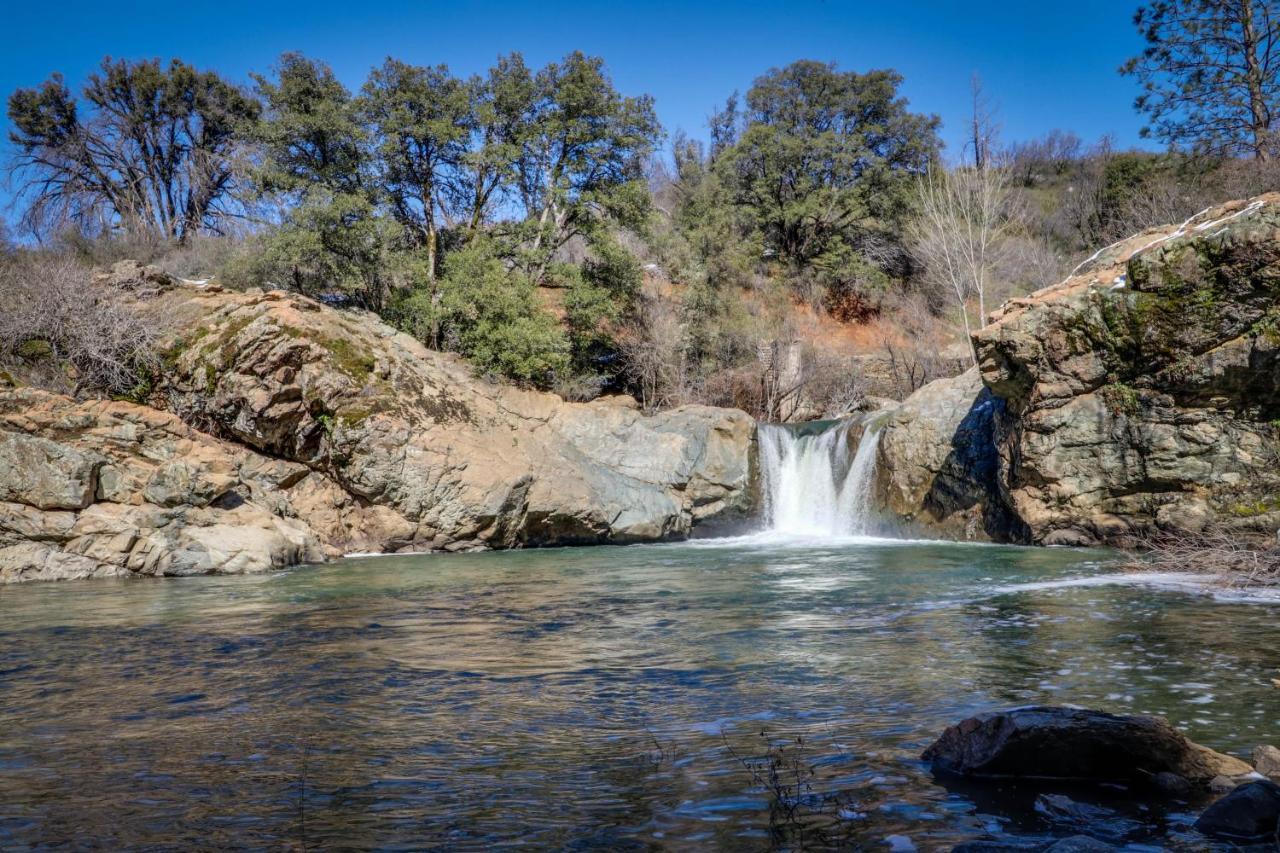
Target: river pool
point(722, 694)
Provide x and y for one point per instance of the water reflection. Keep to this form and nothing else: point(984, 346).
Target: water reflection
point(597, 698)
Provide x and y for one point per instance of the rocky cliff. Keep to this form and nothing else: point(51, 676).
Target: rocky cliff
point(292, 432)
point(1140, 395)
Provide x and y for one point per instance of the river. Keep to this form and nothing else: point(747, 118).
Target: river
point(727, 694)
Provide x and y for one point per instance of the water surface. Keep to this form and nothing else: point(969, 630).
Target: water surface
point(738, 695)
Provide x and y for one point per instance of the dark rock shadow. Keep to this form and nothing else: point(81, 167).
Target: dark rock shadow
point(970, 475)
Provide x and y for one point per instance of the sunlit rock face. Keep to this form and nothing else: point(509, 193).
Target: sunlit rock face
point(1143, 393)
point(293, 432)
point(468, 463)
point(1139, 396)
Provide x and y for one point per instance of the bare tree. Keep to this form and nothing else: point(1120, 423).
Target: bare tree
point(60, 330)
point(964, 218)
point(983, 126)
point(150, 148)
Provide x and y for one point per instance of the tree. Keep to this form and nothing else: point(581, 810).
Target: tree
point(959, 232)
point(311, 131)
point(1208, 73)
point(502, 109)
point(153, 149)
point(489, 313)
point(983, 128)
point(826, 156)
point(316, 154)
point(582, 156)
point(421, 122)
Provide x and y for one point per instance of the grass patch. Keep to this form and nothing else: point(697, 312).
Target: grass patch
point(1120, 399)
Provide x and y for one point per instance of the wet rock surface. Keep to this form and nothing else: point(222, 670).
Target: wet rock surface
point(1074, 744)
point(1250, 813)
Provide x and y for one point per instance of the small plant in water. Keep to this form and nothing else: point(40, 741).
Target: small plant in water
point(800, 816)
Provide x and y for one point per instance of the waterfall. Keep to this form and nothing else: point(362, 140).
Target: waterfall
point(813, 484)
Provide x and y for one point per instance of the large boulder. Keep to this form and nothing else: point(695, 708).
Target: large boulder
point(938, 466)
point(1142, 394)
point(1075, 744)
point(467, 463)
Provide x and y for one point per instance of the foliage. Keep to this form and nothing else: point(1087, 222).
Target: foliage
point(825, 157)
point(151, 149)
point(420, 121)
point(63, 332)
point(1208, 74)
point(488, 312)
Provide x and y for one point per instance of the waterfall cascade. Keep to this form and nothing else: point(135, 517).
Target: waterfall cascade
point(814, 485)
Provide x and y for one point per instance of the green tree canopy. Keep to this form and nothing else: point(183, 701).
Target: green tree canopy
point(824, 157)
point(581, 158)
point(421, 120)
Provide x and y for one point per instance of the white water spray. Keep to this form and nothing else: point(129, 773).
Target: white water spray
point(813, 484)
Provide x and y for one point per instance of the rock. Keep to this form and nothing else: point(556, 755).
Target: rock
point(1172, 783)
point(456, 461)
point(1069, 744)
point(1222, 784)
point(1064, 812)
point(1249, 813)
point(34, 561)
point(1140, 393)
point(326, 432)
point(1071, 844)
point(938, 467)
point(143, 280)
point(108, 489)
point(1266, 760)
point(45, 474)
point(1079, 844)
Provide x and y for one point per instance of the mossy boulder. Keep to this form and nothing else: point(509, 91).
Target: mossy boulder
point(1141, 392)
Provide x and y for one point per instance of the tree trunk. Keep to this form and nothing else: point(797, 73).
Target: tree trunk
point(1260, 124)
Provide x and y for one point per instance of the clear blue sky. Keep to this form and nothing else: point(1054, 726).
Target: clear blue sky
point(1047, 65)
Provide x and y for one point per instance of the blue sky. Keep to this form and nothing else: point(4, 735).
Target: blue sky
point(1047, 65)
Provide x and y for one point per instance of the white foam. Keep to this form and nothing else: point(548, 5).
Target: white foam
point(1189, 582)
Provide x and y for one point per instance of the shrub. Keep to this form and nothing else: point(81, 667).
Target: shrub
point(61, 331)
point(489, 313)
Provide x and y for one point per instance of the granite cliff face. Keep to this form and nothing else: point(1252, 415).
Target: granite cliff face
point(1139, 396)
point(291, 432)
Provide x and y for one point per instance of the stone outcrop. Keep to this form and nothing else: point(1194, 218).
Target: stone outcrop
point(1250, 813)
point(937, 468)
point(1075, 744)
point(1138, 397)
point(107, 489)
point(1143, 392)
point(467, 462)
point(283, 431)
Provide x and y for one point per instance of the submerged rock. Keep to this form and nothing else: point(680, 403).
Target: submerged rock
point(1068, 814)
point(1058, 743)
point(1249, 813)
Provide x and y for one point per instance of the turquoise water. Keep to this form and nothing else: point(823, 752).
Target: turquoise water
point(741, 694)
